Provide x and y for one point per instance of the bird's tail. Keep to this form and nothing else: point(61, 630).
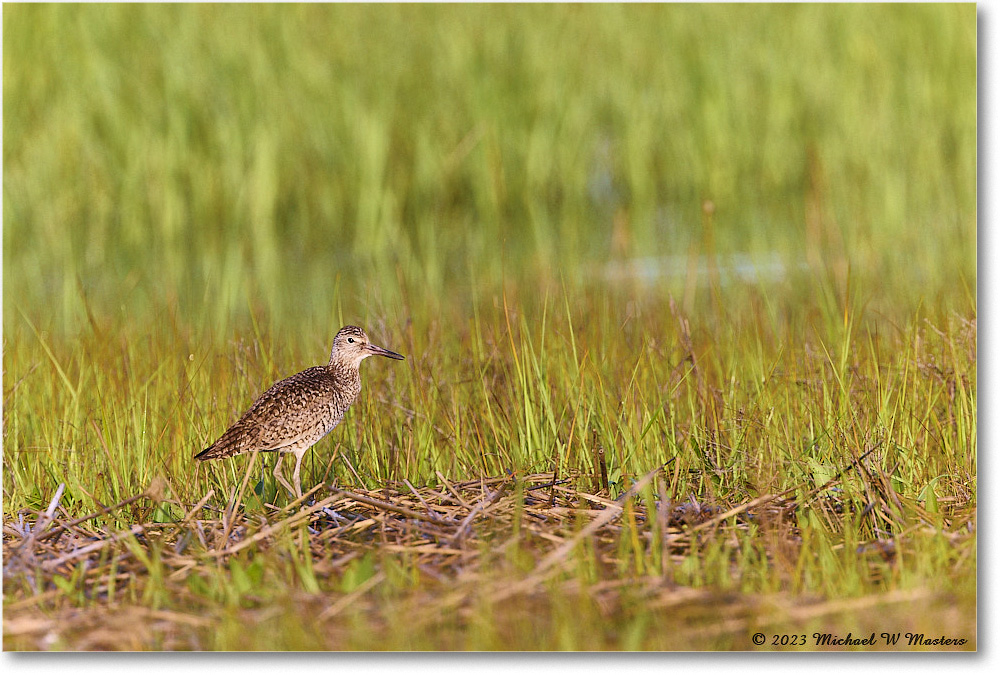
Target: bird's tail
point(235, 441)
point(210, 452)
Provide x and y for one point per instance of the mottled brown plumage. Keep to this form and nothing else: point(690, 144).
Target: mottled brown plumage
point(295, 413)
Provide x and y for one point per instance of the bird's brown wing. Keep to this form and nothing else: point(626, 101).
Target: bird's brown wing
point(283, 415)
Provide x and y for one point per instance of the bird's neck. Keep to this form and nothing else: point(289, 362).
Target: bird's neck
point(343, 371)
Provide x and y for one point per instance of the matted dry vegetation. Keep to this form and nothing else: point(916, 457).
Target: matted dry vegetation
point(448, 553)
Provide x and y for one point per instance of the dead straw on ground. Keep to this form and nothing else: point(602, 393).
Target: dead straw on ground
point(451, 533)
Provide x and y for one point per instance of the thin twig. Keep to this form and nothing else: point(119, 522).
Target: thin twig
point(427, 506)
point(50, 565)
point(97, 514)
point(294, 519)
point(456, 539)
point(385, 506)
point(452, 490)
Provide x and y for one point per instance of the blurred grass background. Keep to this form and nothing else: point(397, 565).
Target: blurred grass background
point(307, 158)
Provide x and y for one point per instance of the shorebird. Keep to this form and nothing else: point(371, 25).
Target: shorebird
point(295, 413)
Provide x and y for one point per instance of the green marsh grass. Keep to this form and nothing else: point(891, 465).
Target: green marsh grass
point(547, 210)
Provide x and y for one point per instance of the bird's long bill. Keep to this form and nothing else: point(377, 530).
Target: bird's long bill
point(381, 351)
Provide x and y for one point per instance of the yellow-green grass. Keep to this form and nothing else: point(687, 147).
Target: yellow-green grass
point(547, 209)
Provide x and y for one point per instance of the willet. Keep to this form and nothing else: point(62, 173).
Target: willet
point(295, 413)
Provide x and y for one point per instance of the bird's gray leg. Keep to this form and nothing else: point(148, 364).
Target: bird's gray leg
point(278, 476)
point(295, 474)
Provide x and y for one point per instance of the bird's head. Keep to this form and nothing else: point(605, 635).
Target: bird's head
point(351, 346)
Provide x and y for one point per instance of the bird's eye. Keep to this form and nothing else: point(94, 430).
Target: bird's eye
point(350, 339)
